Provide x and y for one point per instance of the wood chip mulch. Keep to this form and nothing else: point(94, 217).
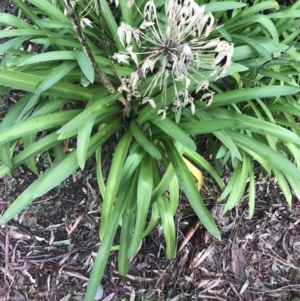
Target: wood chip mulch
point(48, 252)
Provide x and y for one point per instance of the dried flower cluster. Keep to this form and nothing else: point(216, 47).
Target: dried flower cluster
point(175, 50)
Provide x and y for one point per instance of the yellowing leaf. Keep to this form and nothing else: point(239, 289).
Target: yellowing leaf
point(196, 172)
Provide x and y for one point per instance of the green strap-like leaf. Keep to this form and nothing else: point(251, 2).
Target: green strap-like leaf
point(143, 141)
point(133, 160)
point(85, 65)
point(221, 6)
point(11, 20)
point(221, 134)
point(100, 179)
point(127, 230)
point(168, 226)
point(237, 96)
point(113, 180)
point(14, 115)
point(56, 75)
point(174, 131)
point(29, 82)
point(239, 185)
point(98, 108)
point(190, 189)
point(5, 155)
point(111, 22)
point(163, 183)
point(174, 192)
point(34, 149)
point(105, 247)
point(209, 126)
point(69, 164)
point(50, 10)
point(256, 125)
point(31, 163)
point(84, 133)
point(283, 184)
point(12, 43)
point(36, 124)
point(144, 190)
point(251, 200)
point(273, 157)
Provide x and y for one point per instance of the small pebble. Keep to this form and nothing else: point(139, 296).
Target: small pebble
point(99, 293)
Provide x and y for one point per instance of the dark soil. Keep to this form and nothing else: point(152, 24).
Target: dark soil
point(48, 251)
point(7, 7)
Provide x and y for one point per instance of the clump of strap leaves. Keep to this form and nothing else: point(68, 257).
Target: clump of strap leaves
point(167, 73)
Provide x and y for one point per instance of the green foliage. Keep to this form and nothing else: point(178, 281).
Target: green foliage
point(252, 116)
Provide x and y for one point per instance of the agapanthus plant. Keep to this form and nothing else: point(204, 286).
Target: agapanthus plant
point(162, 53)
point(177, 49)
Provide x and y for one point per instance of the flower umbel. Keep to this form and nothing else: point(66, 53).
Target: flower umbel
point(176, 50)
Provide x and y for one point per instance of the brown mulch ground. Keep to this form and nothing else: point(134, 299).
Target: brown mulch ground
point(48, 251)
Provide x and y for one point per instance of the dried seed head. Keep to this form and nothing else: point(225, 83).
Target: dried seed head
point(121, 58)
point(203, 85)
point(134, 79)
point(86, 22)
point(163, 112)
point(146, 67)
point(186, 58)
point(223, 54)
point(150, 101)
point(129, 49)
point(150, 11)
point(126, 32)
point(130, 3)
point(179, 49)
point(146, 24)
